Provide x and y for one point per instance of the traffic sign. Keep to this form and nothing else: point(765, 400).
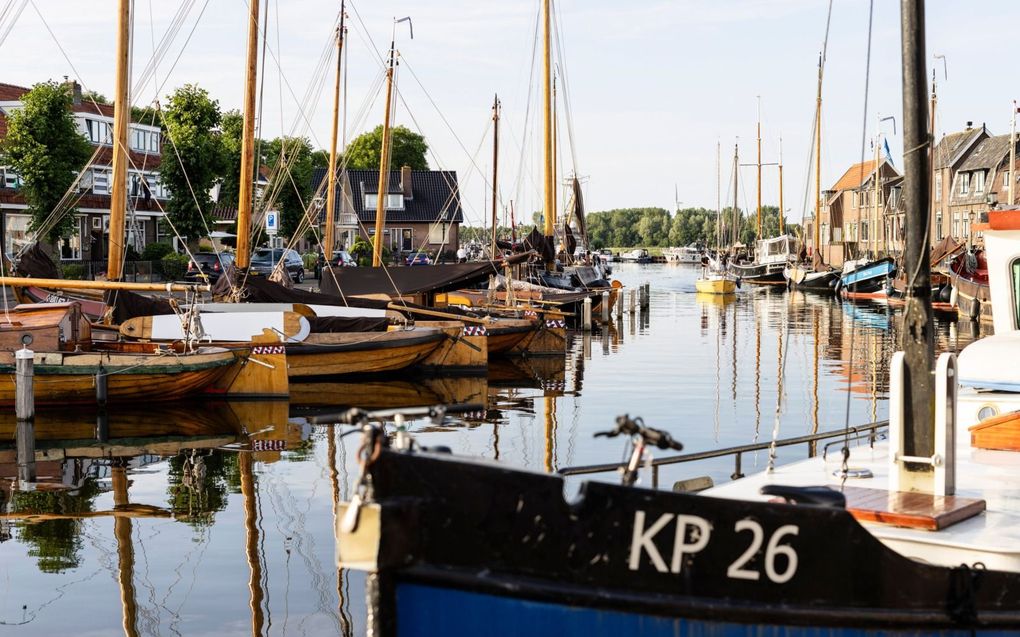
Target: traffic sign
point(272, 221)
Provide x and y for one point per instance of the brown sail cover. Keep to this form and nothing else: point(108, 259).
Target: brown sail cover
point(128, 305)
point(396, 281)
point(37, 264)
point(539, 243)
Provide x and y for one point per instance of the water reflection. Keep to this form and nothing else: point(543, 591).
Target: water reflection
point(218, 517)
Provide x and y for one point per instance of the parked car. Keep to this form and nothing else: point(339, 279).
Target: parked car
point(341, 259)
point(418, 258)
point(265, 259)
point(208, 266)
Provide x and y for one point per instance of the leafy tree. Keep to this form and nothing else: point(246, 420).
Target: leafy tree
point(148, 115)
point(94, 96)
point(409, 149)
point(191, 120)
point(45, 148)
point(293, 193)
point(231, 127)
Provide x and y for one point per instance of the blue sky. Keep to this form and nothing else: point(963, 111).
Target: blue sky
point(653, 84)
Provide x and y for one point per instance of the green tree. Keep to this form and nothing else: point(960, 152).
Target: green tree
point(45, 148)
point(94, 96)
point(148, 115)
point(231, 126)
point(191, 121)
point(292, 194)
point(409, 149)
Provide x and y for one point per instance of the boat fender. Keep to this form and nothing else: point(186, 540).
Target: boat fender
point(975, 309)
point(738, 281)
point(821, 496)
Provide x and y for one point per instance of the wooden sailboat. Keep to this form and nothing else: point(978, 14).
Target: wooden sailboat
point(510, 554)
point(817, 277)
point(714, 279)
point(770, 254)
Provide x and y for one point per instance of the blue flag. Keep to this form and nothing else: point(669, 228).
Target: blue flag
point(888, 155)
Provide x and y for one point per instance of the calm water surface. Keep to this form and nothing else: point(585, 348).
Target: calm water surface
point(218, 519)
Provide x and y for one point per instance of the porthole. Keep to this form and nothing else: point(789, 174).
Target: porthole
point(987, 412)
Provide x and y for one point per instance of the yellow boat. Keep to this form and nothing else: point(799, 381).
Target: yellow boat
point(715, 285)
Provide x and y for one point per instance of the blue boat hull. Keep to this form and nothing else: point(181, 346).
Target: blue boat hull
point(870, 278)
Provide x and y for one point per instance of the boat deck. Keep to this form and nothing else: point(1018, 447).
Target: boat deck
point(991, 537)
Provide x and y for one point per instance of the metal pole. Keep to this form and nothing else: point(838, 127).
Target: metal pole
point(917, 333)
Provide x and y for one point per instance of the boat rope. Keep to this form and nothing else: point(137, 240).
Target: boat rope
point(845, 469)
point(9, 17)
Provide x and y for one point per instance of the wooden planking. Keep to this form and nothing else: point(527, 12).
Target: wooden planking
point(998, 432)
point(457, 351)
point(910, 509)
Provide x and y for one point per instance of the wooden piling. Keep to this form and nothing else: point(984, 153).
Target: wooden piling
point(605, 308)
point(586, 315)
point(24, 409)
point(633, 301)
point(619, 306)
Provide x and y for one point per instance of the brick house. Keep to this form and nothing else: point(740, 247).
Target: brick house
point(423, 209)
point(847, 221)
point(950, 154)
point(95, 123)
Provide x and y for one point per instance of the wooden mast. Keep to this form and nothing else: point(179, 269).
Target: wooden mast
point(122, 526)
point(329, 240)
point(1012, 153)
point(495, 173)
point(249, 490)
point(549, 188)
point(736, 213)
point(781, 209)
point(384, 163)
point(246, 184)
point(818, 161)
point(718, 195)
point(121, 122)
point(875, 232)
point(759, 167)
point(917, 335)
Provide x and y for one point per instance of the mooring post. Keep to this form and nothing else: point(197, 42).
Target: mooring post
point(633, 300)
point(605, 308)
point(102, 417)
point(619, 304)
point(645, 294)
point(24, 409)
point(586, 314)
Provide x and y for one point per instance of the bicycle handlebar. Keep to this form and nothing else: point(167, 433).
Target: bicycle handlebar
point(636, 427)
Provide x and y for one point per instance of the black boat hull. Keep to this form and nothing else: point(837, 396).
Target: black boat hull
point(465, 548)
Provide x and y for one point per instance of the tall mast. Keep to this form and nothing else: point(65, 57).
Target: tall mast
point(384, 163)
point(121, 121)
point(549, 208)
point(917, 336)
point(249, 493)
point(246, 186)
point(495, 173)
point(329, 240)
point(759, 166)
point(782, 211)
point(878, 218)
point(818, 161)
point(122, 525)
point(1012, 152)
point(736, 213)
point(718, 194)
point(932, 198)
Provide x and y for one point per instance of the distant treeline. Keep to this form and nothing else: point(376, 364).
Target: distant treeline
point(655, 227)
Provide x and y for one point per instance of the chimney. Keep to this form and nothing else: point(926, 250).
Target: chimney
point(75, 92)
point(405, 182)
point(970, 124)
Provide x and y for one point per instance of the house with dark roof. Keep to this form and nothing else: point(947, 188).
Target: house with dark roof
point(146, 193)
point(980, 183)
point(948, 157)
point(423, 209)
point(850, 209)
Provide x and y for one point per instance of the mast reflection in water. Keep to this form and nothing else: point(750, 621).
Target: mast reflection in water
point(218, 518)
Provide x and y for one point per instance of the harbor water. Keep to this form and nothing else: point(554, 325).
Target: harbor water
point(218, 519)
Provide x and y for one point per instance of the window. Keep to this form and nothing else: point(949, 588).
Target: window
point(938, 226)
point(17, 232)
point(10, 179)
point(439, 233)
point(855, 199)
point(938, 186)
point(371, 202)
point(979, 181)
point(395, 202)
point(99, 132)
point(100, 182)
point(823, 236)
point(864, 231)
point(403, 239)
point(837, 235)
point(154, 142)
point(964, 183)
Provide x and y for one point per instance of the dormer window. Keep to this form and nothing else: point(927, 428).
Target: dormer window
point(393, 201)
point(979, 181)
point(964, 183)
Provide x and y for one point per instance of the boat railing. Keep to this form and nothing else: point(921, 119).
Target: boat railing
point(868, 432)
